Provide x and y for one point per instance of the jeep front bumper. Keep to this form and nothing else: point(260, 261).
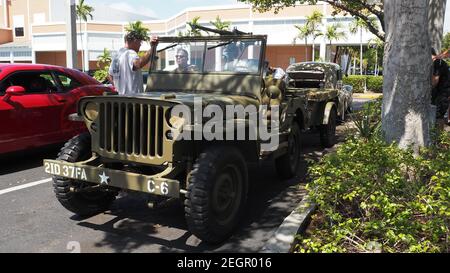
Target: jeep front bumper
point(108, 177)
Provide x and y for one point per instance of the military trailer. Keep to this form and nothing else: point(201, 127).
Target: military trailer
point(134, 141)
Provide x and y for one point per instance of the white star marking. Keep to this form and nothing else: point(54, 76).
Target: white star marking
point(104, 178)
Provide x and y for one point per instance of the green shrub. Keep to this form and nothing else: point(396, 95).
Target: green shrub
point(375, 84)
point(373, 196)
point(357, 81)
point(368, 120)
point(101, 75)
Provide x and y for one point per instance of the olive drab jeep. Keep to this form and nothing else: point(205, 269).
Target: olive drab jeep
point(319, 78)
point(159, 142)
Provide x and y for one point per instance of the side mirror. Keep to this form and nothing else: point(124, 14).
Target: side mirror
point(14, 91)
point(274, 92)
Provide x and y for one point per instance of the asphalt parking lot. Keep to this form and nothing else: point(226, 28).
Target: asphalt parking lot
point(34, 221)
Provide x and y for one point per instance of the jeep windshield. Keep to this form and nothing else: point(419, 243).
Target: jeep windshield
point(209, 55)
point(229, 65)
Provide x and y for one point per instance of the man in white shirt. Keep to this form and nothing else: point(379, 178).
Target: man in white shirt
point(125, 70)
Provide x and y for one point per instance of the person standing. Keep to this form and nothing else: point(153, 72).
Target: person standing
point(125, 70)
point(440, 84)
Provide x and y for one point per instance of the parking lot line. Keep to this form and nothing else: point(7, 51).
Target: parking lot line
point(24, 186)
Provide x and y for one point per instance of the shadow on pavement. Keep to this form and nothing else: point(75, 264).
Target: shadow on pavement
point(133, 225)
point(23, 160)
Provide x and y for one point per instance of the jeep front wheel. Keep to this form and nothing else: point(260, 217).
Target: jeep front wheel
point(328, 131)
point(287, 165)
point(69, 192)
point(216, 193)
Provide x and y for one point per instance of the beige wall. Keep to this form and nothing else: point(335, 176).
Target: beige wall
point(39, 6)
point(2, 16)
point(19, 7)
point(156, 27)
point(49, 28)
point(27, 8)
point(5, 36)
point(104, 27)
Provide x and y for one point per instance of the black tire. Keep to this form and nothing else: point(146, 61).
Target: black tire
point(216, 194)
point(328, 131)
point(82, 203)
point(287, 164)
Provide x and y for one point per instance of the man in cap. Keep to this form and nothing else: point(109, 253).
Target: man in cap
point(125, 70)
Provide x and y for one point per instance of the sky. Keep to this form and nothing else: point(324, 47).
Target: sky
point(161, 9)
point(164, 9)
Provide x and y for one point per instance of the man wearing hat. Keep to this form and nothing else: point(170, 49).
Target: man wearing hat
point(125, 70)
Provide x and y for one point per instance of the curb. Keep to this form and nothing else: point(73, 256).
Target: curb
point(283, 239)
point(367, 96)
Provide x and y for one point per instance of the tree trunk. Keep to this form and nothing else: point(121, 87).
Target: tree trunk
point(306, 50)
point(436, 15)
point(407, 73)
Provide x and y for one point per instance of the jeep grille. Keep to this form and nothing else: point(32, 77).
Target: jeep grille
point(132, 131)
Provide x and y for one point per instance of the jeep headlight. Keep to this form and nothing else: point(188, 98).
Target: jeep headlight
point(91, 111)
point(176, 122)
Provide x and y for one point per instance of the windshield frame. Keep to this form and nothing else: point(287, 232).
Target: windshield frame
point(207, 39)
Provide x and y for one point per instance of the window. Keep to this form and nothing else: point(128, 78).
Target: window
point(19, 25)
point(32, 82)
point(19, 32)
point(67, 82)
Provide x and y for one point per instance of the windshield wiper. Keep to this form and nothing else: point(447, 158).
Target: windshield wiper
point(219, 45)
point(167, 47)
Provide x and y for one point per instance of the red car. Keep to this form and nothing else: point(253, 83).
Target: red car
point(35, 102)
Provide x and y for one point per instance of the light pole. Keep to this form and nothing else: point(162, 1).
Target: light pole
point(71, 35)
point(360, 51)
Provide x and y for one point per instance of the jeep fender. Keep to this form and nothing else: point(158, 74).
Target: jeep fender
point(326, 113)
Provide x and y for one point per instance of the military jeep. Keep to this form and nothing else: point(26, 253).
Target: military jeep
point(135, 142)
point(317, 77)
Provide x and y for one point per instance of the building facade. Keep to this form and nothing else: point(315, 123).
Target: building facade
point(36, 33)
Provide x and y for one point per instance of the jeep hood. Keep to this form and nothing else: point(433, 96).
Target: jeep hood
point(190, 98)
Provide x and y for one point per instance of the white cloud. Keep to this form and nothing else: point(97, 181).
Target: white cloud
point(134, 9)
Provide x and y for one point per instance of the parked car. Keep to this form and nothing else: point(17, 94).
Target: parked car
point(321, 76)
point(36, 101)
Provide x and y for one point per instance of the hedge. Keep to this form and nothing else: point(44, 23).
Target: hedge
point(373, 83)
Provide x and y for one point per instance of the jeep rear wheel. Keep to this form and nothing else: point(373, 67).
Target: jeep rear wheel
point(287, 164)
point(83, 203)
point(216, 194)
point(328, 131)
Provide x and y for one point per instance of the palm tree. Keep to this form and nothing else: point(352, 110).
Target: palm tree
point(303, 33)
point(103, 63)
point(376, 43)
point(333, 33)
point(355, 26)
point(194, 32)
point(314, 21)
point(83, 11)
point(104, 59)
point(140, 31)
point(220, 25)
